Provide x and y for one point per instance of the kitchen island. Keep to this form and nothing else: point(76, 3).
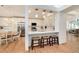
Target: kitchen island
point(47, 33)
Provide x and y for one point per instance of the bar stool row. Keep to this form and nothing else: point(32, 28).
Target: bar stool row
point(43, 41)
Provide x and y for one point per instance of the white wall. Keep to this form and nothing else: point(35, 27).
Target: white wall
point(62, 29)
point(40, 22)
point(60, 26)
point(26, 20)
point(48, 21)
point(10, 23)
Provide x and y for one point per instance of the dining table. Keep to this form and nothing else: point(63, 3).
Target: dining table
point(6, 34)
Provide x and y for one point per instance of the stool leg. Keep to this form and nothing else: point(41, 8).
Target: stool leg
point(43, 43)
point(54, 40)
point(40, 42)
point(50, 41)
point(57, 41)
point(47, 41)
point(32, 45)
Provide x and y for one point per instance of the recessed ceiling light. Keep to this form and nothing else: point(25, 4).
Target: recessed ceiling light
point(44, 16)
point(29, 11)
point(43, 13)
point(36, 9)
point(44, 10)
point(36, 15)
point(50, 11)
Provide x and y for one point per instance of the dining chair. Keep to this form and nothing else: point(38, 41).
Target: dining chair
point(3, 39)
point(9, 37)
point(16, 36)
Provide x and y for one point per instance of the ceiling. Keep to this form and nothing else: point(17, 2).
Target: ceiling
point(12, 10)
point(19, 10)
point(61, 7)
point(74, 12)
point(40, 13)
point(52, 7)
point(58, 6)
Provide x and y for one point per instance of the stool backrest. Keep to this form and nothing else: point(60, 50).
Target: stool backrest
point(45, 36)
point(34, 38)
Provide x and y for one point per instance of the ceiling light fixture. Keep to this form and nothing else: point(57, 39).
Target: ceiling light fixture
point(44, 16)
point(36, 9)
point(29, 11)
point(36, 15)
point(50, 11)
point(43, 11)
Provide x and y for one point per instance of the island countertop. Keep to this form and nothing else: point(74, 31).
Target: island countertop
point(46, 32)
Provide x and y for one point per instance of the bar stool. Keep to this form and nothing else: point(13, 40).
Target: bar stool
point(36, 41)
point(56, 40)
point(42, 42)
point(53, 40)
point(45, 40)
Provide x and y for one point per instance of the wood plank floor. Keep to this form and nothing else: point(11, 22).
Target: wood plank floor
point(71, 46)
point(65, 48)
point(14, 47)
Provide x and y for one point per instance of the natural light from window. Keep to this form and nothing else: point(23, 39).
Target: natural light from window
point(58, 6)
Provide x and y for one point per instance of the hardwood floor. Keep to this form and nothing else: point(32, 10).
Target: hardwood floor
point(14, 47)
point(65, 48)
point(72, 46)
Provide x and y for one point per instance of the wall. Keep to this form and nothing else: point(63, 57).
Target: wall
point(69, 18)
point(10, 23)
point(60, 26)
point(40, 22)
point(48, 21)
